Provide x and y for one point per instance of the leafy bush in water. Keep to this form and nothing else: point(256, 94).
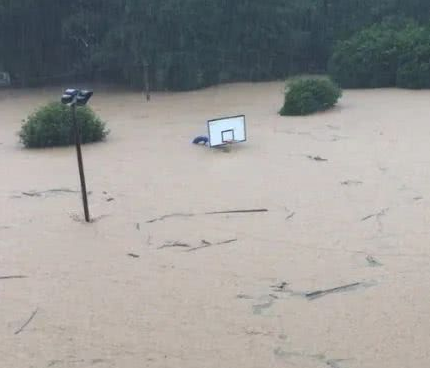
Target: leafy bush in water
point(413, 75)
point(52, 126)
point(414, 62)
point(368, 59)
point(384, 55)
point(309, 95)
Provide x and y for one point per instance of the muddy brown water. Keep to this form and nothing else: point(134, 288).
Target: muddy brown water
point(169, 307)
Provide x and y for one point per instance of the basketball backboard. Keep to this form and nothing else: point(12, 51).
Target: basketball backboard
point(227, 130)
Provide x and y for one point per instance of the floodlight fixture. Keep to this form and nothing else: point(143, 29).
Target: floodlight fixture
point(73, 96)
point(83, 97)
point(69, 96)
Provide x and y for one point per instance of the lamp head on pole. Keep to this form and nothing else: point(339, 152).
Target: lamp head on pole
point(75, 96)
point(83, 97)
point(69, 96)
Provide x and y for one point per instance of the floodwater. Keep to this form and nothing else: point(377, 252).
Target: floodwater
point(335, 274)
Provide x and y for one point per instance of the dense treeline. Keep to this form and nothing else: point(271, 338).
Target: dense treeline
point(393, 53)
point(184, 44)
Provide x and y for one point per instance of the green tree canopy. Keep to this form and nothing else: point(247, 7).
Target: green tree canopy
point(185, 43)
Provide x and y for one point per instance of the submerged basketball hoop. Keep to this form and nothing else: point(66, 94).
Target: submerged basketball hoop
point(228, 130)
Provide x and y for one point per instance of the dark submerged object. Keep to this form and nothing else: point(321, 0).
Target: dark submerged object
point(201, 139)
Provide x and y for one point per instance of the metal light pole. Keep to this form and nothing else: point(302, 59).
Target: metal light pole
point(146, 74)
point(74, 98)
point(80, 163)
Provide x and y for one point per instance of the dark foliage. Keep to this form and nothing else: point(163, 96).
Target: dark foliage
point(52, 126)
point(309, 95)
point(190, 43)
point(385, 55)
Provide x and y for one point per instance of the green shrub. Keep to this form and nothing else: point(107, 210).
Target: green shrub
point(309, 95)
point(52, 125)
point(384, 55)
point(414, 62)
point(368, 59)
point(413, 75)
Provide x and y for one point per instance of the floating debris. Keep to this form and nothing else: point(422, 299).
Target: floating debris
point(12, 277)
point(207, 244)
point(373, 262)
point(175, 244)
point(320, 293)
point(317, 158)
point(281, 287)
point(351, 182)
point(26, 323)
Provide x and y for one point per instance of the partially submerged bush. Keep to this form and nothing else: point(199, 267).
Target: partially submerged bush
point(309, 95)
point(413, 75)
point(52, 125)
point(384, 55)
point(368, 59)
point(414, 62)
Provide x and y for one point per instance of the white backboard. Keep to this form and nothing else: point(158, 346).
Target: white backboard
point(227, 130)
